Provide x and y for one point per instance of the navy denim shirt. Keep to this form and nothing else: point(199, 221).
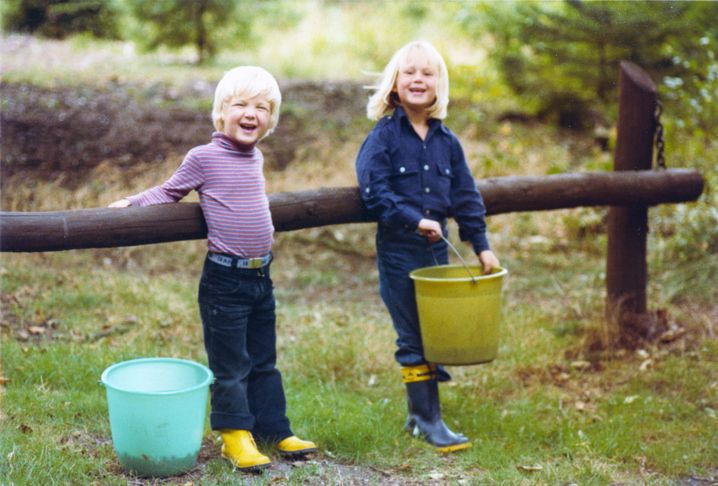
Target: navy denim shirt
point(403, 179)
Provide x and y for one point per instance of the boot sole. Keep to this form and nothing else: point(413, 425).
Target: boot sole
point(454, 448)
point(296, 454)
point(255, 468)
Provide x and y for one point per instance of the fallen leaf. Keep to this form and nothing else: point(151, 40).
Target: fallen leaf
point(532, 469)
point(561, 377)
point(672, 335)
point(630, 399)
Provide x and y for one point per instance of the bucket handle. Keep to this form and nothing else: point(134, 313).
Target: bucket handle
point(473, 279)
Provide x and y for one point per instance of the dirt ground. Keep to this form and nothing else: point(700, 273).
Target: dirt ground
point(65, 132)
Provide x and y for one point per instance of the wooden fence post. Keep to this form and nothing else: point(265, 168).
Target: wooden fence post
point(626, 268)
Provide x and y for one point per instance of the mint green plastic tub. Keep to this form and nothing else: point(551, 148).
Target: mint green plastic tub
point(157, 412)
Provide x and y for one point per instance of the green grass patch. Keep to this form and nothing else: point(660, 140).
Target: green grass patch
point(533, 417)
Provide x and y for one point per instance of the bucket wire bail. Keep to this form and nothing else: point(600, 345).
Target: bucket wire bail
point(473, 279)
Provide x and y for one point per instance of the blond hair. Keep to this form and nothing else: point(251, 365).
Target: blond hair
point(248, 81)
point(385, 98)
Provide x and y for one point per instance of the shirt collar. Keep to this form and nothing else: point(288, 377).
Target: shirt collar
point(434, 123)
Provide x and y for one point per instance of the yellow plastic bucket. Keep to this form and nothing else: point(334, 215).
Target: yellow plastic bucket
point(459, 313)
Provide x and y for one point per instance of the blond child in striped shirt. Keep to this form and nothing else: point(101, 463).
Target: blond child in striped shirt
point(236, 293)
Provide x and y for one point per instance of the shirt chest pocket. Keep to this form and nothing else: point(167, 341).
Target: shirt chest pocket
point(443, 174)
point(442, 162)
point(405, 175)
point(404, 169)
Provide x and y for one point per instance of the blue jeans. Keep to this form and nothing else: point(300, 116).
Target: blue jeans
point(398, 253)
point(237, 307)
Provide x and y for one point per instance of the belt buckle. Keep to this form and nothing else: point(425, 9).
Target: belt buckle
point(254, 263)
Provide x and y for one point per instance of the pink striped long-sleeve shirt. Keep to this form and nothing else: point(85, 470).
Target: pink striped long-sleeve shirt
point(232, 194)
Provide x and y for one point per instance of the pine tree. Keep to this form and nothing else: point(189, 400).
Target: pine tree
point(564, 57)
point(177, 23)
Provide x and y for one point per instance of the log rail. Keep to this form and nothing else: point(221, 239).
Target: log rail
point(105, 228)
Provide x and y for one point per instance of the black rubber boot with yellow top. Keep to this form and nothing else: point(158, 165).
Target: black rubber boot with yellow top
point(424, 419)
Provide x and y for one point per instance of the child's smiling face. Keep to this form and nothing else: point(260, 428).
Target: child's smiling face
point(246, 119)
point(416, 82)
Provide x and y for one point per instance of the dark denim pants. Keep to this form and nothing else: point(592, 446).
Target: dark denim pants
point(398, 253)
point(237, 307)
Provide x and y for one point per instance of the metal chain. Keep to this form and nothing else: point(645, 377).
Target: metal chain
point(660, 142)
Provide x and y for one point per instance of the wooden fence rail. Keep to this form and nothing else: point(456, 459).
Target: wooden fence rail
point(105, 228)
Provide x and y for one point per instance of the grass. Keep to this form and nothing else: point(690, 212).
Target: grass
point(546, 411)
point(616, 420)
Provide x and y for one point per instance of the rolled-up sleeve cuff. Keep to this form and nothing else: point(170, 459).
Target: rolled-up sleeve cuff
point(409, 218)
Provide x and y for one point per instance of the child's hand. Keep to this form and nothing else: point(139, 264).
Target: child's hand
point(488, 261)
point(122, 203)
point(431, 229)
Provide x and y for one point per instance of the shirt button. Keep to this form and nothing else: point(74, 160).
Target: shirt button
point(402, 170)
point(427, 211)
point(448, 172)
point(368, 190)
point(426, 167)
point(427, 190)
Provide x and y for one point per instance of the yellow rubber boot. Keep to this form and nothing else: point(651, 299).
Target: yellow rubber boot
point(293, 447)
point(241, 450)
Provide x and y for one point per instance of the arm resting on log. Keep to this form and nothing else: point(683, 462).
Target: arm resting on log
point(105, 228)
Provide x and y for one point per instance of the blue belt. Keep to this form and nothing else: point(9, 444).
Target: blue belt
point(237, 262)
